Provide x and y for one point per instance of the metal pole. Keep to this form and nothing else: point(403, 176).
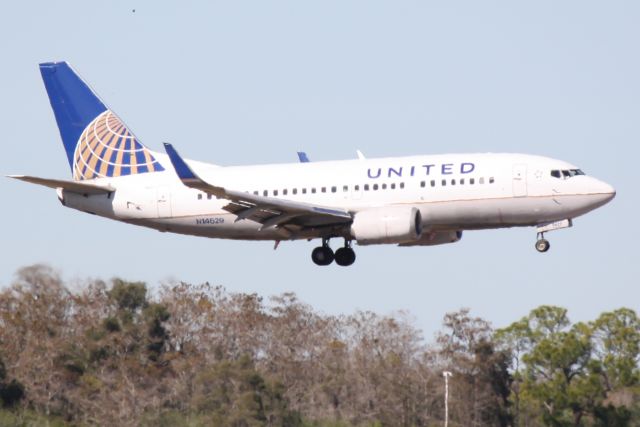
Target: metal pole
point(446, 375)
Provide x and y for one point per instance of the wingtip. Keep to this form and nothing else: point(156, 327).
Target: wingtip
point(168, 148)
point(179, 165)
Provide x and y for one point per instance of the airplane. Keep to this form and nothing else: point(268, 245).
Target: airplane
point(406, 201)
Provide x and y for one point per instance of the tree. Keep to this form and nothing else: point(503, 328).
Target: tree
point(481, 379)
point(616, 351)
point(564, 374)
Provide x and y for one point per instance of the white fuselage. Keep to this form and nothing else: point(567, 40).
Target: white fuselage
point(452, 192)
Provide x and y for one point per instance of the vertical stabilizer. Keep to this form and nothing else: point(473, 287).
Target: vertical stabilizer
point(98, 144)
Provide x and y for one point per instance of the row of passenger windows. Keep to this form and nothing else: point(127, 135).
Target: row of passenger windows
point(367, 187)
point(461, 181)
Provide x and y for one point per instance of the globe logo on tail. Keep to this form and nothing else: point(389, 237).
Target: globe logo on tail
point(106, 148)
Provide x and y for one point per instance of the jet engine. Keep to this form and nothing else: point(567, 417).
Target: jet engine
point(432, 238)
point(391, 224)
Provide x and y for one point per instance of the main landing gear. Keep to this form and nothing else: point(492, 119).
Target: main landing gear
point(542, 244)
point(324, 255)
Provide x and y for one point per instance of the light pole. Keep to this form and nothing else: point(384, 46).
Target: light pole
point(446, 375)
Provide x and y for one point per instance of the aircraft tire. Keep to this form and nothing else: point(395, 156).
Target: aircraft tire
point(322, 255)
point(345, 257)
point(542, 245)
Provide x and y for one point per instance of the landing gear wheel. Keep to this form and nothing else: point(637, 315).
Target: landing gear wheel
point(542, 245)
point(322, 255)
point(345, 256)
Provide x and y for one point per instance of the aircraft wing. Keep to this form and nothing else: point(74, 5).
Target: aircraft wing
point(80, 187)
point(269, 211)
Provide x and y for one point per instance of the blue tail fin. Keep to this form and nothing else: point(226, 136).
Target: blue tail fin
point(97, 142)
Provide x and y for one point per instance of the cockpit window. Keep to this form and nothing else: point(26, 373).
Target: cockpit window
point(566, 173)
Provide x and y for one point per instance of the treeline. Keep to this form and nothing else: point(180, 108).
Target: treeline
point(98, 353)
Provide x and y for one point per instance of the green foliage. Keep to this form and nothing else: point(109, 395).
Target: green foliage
point(201, 356)
point(155, 315)
point(11, 392)
point(233, 393)
point(128, 296)
point(617, 346)
point(26, 418)
point(573, 375)
point(111, 324)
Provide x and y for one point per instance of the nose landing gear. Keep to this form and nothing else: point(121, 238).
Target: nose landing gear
point(542, 245)
point(324, 255)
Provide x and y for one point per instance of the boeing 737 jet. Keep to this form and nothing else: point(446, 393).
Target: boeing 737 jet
point(406, 201)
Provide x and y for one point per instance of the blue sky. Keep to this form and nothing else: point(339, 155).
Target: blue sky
point(253, 82)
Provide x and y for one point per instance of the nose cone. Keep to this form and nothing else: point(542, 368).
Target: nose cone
point(607, 190)
point(602, 192)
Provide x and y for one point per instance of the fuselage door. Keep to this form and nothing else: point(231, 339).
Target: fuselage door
point(519, 180)
point(163, 197)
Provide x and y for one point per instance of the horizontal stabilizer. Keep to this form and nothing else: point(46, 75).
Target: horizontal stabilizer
point(80, 187)
point(302, 156)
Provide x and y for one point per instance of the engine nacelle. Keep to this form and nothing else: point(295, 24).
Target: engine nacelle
point(392, 224)
point(433, 238)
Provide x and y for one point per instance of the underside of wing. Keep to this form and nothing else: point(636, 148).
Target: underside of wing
point(268, 211)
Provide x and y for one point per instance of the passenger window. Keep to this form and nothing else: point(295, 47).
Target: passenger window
point(199, 196)
point(357, 188)
point(313, 190)
point(402, 185)
point(345, 188)
point(275, 192)
point(384, 186)
point(284, 192)
point(375, 187)
point(444, 182)
point(265, 193)
point(491, 180)
point(453, 182)
point(422, 184)
point(472, 181)
point(304, 191)
point(209, 196)
point(323, 189)
point(462, 181)
point(295, 191)
point(333, 189)
point(255, 193)
point(433, 183)
point(481, 181)
point(393, 186)
point(366, 187)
